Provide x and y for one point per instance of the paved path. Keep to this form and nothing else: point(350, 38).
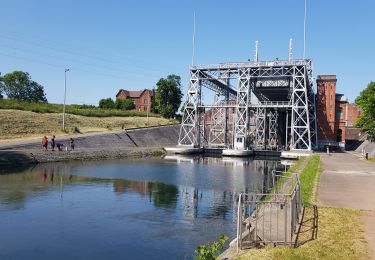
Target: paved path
point(348, 181)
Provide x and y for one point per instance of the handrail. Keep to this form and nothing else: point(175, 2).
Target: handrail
point(290, 208)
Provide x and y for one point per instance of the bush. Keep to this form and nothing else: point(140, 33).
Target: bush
point(107, 103)
point(211, 251)
point(125, 104)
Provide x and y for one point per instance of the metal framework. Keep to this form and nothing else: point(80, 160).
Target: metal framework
point(272, 129)
point(267, 92)
point(260, 131)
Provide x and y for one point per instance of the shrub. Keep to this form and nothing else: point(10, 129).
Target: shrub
point(211, 250)
point(125, 104)
point(107, 103)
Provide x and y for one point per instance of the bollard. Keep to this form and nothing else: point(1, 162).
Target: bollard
point(328, 150)
point(366, 156)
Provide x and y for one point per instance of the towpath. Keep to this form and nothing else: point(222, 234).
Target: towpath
point(348, 181)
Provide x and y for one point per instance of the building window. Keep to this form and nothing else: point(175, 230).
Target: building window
point(339, 113)
point(339, 135)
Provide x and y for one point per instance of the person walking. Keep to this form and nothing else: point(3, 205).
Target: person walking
point(53, 143)
point(72, 144)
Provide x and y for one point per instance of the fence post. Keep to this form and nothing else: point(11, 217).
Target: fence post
point(286, 222)
point(239, 219)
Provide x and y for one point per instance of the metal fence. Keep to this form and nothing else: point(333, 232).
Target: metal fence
point(271, 218)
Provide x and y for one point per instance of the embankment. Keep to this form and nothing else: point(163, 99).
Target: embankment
point(145, 141)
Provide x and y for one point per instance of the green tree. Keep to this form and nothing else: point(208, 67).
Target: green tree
point(18, 85)
point(1, 86)
point(366, 101)
point(168, 95)
point(107, 103)
point(125, 104)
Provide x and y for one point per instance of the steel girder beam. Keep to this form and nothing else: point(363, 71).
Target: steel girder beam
point(241, 123)
point(260, 133)
point(266, 104)
point(230, 70)
point(190, 125)
point(216, 84)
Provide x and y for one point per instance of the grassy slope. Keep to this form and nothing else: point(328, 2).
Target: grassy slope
point(70, 109)
point(17, 124)
point(340, 233)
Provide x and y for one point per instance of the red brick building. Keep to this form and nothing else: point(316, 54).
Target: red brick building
point(142, 99)
point(335, 115)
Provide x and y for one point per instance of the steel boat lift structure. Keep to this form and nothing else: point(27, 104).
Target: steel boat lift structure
point(272, 108)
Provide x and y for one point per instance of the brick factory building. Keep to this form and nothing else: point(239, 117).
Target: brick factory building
point(335, 115)
point(142, 99)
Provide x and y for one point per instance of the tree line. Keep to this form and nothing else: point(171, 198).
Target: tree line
point(19, 86)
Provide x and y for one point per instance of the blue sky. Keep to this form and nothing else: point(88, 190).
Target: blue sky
point(110, 45)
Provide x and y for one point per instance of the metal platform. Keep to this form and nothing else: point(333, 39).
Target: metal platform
point(294, 154)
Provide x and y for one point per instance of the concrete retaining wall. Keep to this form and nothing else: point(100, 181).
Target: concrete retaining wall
point(159, 136)
point(369, 147)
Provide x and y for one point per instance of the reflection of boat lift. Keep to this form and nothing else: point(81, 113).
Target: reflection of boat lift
point(180, 158)
point(236, 161)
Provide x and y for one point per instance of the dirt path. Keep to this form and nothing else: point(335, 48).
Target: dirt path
point(349, 182)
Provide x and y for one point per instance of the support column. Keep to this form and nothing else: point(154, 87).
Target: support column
point(272, 129)
point(300, 121)
point(190, 126)
point(260, 133)
point(241, 124)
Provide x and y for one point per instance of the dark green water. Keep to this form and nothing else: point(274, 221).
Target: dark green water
point(123, 209)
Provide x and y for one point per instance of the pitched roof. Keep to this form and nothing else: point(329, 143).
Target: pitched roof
point(134, 93)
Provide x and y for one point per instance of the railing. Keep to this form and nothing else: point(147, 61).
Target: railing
point(264, 219)
point(268, 104)
point(236, 65)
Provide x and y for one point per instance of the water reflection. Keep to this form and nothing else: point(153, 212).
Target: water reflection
point(168, 206)
point(162, 195)
point(238, 175)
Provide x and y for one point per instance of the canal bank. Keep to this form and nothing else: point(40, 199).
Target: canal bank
point(137, 142)
point(340, 232)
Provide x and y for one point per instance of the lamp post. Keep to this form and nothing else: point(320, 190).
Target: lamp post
point(66, 70)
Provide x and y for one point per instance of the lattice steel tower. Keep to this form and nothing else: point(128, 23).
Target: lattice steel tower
point(272, 107)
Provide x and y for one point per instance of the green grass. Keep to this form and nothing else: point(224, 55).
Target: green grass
point(281, 181)
point(308, 179)
point(372, 159)
point(340, 234)
point(81, 110)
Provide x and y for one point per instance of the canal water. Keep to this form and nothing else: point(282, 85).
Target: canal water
point(124, 209)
